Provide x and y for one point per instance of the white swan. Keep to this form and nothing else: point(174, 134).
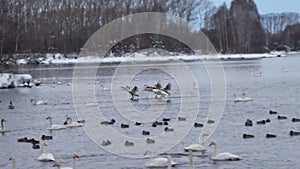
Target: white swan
point(222, 156)
point(2, 129)
point(54, 126)
point(13, 159)
point(71, 124)
point(45, 157)
point(40, 102)
point(158, 162)
point(197, 147)
point(242, 99)
point(104, 88)
point(75, 156)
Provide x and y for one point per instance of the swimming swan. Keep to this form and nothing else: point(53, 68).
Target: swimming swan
point(158, 162)
point(242, 99)
point(2, 129)
point(45, 157)
point(13, 159)
point(54, 126)
point(75, 156)
point(71, 124)
point(40, 102)
point(222, 156)
point(198, 147)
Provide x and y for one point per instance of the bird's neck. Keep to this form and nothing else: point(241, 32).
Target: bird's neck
point(215, 151)
point(191, 159)
point(50, 122)
point(169, 163)
point(42, 149)
point(69, 120)
point(74, 163)
point(14, 164)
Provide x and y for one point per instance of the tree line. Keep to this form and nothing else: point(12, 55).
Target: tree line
point(31, 26)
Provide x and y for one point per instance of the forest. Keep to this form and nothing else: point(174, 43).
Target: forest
point(63, 26)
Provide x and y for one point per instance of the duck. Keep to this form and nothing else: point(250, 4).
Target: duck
point(40, 102)
point(33, 141)
point(158, 162)
point(46, 137)
point(295, 120)
point(71, 124)
point(248, 123)
point(13, 159)
point(294, 133)
point(111, 122)
point(268, 120)
point(165, 123)
point(138, 123)
point(281, 117)
point(210, 121)
point(272, 112)
point(167, 129)
point(45, 157)
point(105, 143)
point(35, 146)
point(248, 136)
point(23, 140)
point(223, 156)
point(57, 164)
point(133, 92)
point(2, 129)
point(124, 126)
point(154, 124)
point(166, 119)
point(146, 132)
point(198, 125)
point(261, 122)
point(197, 147)
point(11, 106)
point(150, 141)
point(181, 119)
point(54, 126)
point(268, 135)
point(37, 82)
point(128, 143)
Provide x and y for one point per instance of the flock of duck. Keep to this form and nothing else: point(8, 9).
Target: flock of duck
point(249, 123)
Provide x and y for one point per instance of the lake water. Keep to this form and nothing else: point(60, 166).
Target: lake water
point(276, 90)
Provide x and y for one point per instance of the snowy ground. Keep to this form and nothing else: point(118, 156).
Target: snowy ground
point(141, 57)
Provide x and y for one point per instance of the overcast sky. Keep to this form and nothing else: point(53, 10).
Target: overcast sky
point(271, 6)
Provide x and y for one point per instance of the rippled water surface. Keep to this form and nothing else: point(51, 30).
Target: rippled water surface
point(276, 90)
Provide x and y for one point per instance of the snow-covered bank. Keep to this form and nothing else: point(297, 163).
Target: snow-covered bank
point(9, 80)
point(143, 57)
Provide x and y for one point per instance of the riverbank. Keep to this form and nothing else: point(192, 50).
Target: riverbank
point(73, 58)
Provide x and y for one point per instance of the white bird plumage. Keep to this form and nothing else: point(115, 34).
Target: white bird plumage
point(54, 126)
point(2, 129)
point(45, 157)
point(40, 102)
point(197, 147)
point(159, 162)
point(242, 99)
point(71, 124)
point(222, 156)
point(13, 159)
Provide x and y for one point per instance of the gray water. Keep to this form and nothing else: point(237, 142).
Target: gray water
point(274, 90)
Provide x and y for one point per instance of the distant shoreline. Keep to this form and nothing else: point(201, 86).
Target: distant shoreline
point(58, 58)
